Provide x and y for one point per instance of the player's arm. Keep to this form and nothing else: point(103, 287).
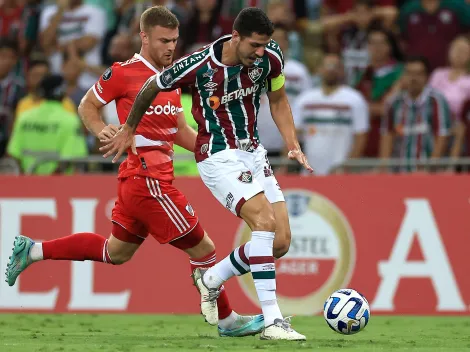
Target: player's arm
point(282, 116)
point(186, 135)
point(108, 88)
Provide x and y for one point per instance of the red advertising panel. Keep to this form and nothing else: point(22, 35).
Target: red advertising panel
point(402, 241)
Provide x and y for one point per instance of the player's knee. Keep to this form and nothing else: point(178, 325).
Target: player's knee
point(281, 247)
point(119, 258)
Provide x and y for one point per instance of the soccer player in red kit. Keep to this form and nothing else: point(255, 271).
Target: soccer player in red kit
point(147, 201)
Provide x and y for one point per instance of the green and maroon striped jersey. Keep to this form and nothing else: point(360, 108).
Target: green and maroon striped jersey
point(226, 99)
point(417, 123)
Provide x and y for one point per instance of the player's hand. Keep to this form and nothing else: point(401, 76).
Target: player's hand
point(296, 154)
point(107, 133)
point(121, 141)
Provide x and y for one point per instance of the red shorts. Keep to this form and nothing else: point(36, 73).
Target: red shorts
point(148, 206)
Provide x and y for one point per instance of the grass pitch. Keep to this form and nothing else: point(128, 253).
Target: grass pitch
point(139, 333)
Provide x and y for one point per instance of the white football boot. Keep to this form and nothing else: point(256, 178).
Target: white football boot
point(281, 330)
point(208, 297)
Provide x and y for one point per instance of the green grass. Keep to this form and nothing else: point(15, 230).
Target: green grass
point(129, 333)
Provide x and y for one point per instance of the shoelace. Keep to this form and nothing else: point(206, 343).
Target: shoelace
point(285, 323)
point(212, 295)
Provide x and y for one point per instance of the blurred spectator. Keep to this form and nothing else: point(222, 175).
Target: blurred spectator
point(297, 81)
point(38, 69)
point(19, 21)
point(418, 118)
point(205, 24)
point(233, 7)
point(333, 120)
point(47, 131)
point(71, 70)
point(188, 166)
point(379, 81)
point(343, 6)
point(121, 49)
point(429, 26)
point(12, 88)
point(352, 39)
point(280, 12)
point(71, 22)
point(454, 83)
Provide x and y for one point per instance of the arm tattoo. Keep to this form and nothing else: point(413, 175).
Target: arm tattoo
point(142, 102)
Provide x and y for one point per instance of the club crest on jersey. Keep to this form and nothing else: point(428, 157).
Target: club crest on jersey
point(190, 209)
point(245, 177)
point(255, 73)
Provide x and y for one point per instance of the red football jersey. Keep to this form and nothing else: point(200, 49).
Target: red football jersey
point(156, 131)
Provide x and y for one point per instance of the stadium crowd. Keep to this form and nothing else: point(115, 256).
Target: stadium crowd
point(365, 79)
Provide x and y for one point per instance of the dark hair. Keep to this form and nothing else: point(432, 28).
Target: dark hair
point(419, 59)
point(366, 3)
point(395, 51)
point(38, 62)
point(253, 20)
point(158, 16)
point(52, 87)
point(6, 43)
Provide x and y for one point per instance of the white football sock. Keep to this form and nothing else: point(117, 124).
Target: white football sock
point(36, 252)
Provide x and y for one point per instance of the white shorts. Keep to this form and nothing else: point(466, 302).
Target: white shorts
point(234, 176)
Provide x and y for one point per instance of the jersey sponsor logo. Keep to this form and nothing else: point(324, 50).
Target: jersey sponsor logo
point(258, 61)
point(213, 102)
point(229, 201)
point(167, 109)
point(107, 74)
point(181, 65)
point(190, 209)
point(211, 86)
point(245, 177)
point(321, 257)
point(239, 93)
point(255, 73)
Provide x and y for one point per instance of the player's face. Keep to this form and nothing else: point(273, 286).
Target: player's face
point(331, 70)
point(161, 44)
point(415, 77)
point(249, 49)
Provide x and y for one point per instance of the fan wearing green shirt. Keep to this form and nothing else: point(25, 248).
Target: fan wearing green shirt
point(186, 166)
point(48, 130)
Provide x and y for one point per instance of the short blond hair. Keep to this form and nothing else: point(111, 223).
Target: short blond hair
point(158, 16)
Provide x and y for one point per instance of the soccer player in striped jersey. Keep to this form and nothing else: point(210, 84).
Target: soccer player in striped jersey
point(227, 78)
point(147, 203)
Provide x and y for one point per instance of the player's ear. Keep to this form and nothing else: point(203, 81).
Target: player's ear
point(144, 37)
point(235, 37)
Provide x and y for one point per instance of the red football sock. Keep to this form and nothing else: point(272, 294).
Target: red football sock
point(223, 303)
point(78, 247)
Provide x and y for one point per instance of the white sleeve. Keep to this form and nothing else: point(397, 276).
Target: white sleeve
point(360, 114)
point(97, 23)
point(306, 80)
point(46, 16)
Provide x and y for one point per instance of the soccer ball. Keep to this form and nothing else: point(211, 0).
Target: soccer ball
point(346, 311)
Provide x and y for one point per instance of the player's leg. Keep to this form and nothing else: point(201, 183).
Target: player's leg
point(169, 218)
point(233, 185)
point(202, 254)
point(126, 237)
point(265, 176)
